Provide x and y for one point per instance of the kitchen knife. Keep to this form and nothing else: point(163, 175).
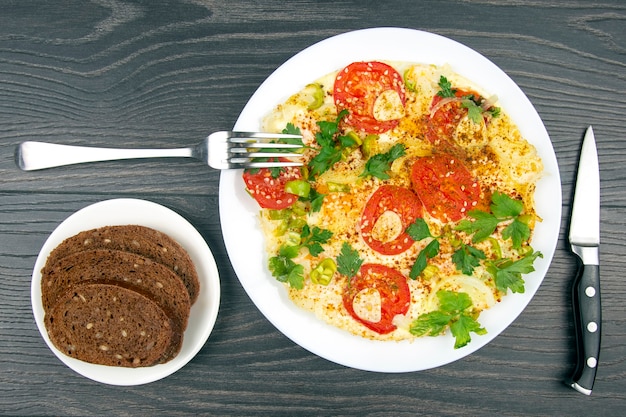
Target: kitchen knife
point(584, 237)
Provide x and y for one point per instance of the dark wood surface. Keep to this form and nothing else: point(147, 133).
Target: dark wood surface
point(144, 73)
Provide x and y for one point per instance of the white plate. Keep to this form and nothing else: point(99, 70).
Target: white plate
point(244, 240)
point(203, 312)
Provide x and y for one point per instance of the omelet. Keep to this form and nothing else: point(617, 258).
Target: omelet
point(414, 210)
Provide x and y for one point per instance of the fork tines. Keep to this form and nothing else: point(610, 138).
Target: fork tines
point(240, 137)
point(252, 149)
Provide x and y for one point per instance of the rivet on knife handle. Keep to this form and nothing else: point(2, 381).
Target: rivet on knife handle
point(588, 322)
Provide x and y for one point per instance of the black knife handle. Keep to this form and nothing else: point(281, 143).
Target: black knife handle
point(588, 323)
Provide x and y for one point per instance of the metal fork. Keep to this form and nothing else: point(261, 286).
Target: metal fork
point(220, 150)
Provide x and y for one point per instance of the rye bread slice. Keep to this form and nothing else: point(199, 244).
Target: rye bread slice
point(108, 324)
point(141, 240)
point(133, 271)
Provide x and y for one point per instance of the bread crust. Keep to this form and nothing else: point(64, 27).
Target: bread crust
point(141, 240)
point(134, 285)
point(108, 324)
point(133, 271)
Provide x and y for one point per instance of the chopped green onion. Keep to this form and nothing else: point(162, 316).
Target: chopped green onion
point(293, 238)
point(323, 273)
point(430, 271)
point(337, 187)
point(279, 214)
point(495, 246)
point(369, 146)
point(301, 188)
point(317, 93)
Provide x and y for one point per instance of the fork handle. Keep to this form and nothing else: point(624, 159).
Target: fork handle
point(30, 156)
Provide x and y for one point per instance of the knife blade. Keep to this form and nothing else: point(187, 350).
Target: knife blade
point(584, 238)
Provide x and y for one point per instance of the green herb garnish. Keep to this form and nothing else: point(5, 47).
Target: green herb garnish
point(313, 238)
point(503, 208)
point(285, 270)
point(507, 274)
point(348, 261)
point(316, 200)
point(419, 230)
point(454, 312)
point(331, 146)
point(378, 165)
point(445, 88)
point(430, 251)
point(291, 129)
point(466, 258)
point(475, 110)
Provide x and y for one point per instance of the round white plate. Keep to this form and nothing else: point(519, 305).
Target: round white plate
point(244, 240)
point(145, 213)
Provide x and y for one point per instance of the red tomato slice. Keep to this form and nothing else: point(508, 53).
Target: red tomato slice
point(446, 113)
point(445, 186)
point(268, 191)
point(398, 200)
point(394, 294)
point(358, 86)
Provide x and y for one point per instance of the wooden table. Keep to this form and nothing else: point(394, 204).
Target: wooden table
point(140, 73)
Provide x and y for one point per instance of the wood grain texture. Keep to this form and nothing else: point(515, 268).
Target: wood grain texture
point(140, 73)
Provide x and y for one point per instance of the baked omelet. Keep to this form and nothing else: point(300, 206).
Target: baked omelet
point(414, 210)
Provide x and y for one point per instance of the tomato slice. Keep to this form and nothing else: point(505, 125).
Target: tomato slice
point(446, 113)
point(390, 198)
point(268, 189)
point(392, 287)
point(358, 86)
point(445, 186)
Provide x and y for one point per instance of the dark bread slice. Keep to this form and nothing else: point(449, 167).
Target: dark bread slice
point(108, 324)
point(137, 239)
point(142, 274)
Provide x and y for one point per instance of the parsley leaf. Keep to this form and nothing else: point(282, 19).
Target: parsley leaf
point(453, 302)
point(445, 88)
point(325, 158)
point(280, 266)
point(418, 230)
point(312, 239)
point(474, 111)
point(331, 148)
point(432, 324)
point(348, 261)
point(503, 208)
point(291, 129)
point(379, 164)
point(286, 270)
point(518, 232)
point(507, 274)
point(430, 251)
point(482, 227)
point(295, 278)
point(466, 258)
point(347, 141)
point(494, 111)
point(461, 329)
point(454, 312)
point(316, 200)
